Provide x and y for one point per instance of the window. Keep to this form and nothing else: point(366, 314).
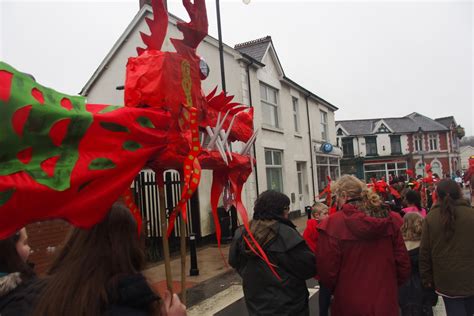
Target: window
point(395, 144)
point(326, 166)
point(371, 145)
point(324, 125)
point(348, 147)
point(300, 167)
point(273, 164)
point(340, 132)
point(296, 114)
point(418, 140)
point(433, 141)
point(269, 98)
point(379, 170)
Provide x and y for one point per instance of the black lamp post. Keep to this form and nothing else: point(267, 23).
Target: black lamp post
point(221, 46)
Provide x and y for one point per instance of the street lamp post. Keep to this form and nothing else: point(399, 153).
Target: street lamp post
point(421, 151)
point(221, 59)
point(221, 46)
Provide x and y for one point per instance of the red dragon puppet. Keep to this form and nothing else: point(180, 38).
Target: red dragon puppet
point(61, 157)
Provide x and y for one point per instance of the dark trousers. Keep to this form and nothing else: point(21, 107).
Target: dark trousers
point(324, 300)
point(416, 310)
point(459, 306)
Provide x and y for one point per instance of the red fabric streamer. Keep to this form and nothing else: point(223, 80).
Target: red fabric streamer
point(327, 191)
point(130, 203)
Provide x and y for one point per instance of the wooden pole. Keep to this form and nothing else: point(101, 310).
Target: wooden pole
point(183, 259)
point(164, 237)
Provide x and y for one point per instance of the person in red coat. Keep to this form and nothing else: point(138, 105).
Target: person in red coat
point(318, 213)
point(361, 254)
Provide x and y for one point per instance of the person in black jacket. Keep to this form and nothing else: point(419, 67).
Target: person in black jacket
point(294, 262)
point(97, 272)
point(414, 299)
point(15, 272)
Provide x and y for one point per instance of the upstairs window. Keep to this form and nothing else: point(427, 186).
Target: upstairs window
point(418, 141)
point(371, 145)
point(395, 144)
point(348, 147)
point(269, 99)
point(324, 125)
point(296, 114)
point(433, 142)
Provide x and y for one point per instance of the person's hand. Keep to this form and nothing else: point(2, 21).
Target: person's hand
point(172, 306)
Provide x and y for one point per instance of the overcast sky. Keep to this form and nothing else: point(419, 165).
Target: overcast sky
point(369, 58)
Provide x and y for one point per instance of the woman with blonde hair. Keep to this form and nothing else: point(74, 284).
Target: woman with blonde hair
point(361, 255)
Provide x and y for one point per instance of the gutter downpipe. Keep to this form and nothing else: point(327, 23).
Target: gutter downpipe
point(250, 104)
point(310, 148)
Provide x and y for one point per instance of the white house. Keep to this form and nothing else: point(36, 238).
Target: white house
point(294, 123)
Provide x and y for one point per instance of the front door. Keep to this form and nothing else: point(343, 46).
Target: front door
point(303, 190)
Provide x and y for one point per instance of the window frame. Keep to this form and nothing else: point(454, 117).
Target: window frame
point(418, 139)
point(433, 142)
point(274, 166)
point(323, 117)
point(330, 165)
point(374, 138)
point(347, 141)
point(398, 168)
point(399, 138)
point(296, 114)
point(274, 107)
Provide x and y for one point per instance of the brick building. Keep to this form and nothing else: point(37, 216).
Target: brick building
point(389, 146)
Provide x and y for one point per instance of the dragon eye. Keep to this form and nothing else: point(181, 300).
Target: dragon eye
point(204, 67)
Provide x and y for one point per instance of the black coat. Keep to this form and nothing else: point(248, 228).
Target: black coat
point(412, 295)
point(264, 293)
point(10, 285)
point(130, 295)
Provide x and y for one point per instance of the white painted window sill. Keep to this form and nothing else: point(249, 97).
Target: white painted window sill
point(272, 129)
point(298, 135)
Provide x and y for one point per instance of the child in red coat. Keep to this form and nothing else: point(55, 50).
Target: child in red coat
point(319, 211)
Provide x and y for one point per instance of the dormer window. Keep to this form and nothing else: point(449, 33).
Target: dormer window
point(383, 129)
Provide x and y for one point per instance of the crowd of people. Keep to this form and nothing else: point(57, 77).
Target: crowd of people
point(376, 250)
point(383, 249)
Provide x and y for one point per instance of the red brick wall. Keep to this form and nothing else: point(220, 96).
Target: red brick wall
point(45, 239)
point(443, 141)
point(445, 164)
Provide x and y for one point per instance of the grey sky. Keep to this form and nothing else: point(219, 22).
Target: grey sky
point(371, 59)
